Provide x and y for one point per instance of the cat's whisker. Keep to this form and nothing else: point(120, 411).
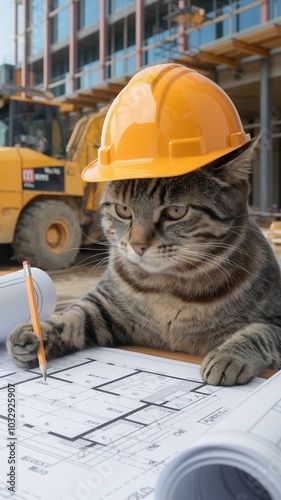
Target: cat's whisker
point(228, 262)
point(102, 241)
point(253, 229)
point(86, 259)
point(204, 271)
point(205, 259)
point(96, 267)
point(216, 246)
point(104, 261)
point(96, 263)
point(225, 260)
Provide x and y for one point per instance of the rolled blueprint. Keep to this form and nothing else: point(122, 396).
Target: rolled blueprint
point(238, 458)
point(14, 306)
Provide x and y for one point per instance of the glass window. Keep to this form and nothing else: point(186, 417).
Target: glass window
point(121, 47)
point(36, 11)
point(251, 17)
point(63, 24)
point(122, 63)
point(19, 43)
point(131, 34)
point(156, 31)
point(114, 5)
point(60, 26)
point(60, 74)
point(30, 126)
point(88, 12)
point(4, 126)
point(38, 77)
point(226, 24)
point(164, 49)
point(55, 4)
point(57, 139)
point(88, 62)
point(274, 8)
point(59, 90)
point(38, 127)
point(131, 60)
point(194, 39)
point(88, 53)
point(37, 39)
point(20, 24)
point(119, 65)
point(232, 23)
point(91, 77)
point(207, 34)
point(155, 21)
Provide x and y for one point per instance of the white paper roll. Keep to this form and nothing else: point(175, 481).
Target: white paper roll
point(14, 306)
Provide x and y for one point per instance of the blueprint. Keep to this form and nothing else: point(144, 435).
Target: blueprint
point(105, 423)
point(238, 458)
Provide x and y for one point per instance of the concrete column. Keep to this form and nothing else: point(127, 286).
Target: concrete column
point(72, 46)
point(24, 69)
point(139, 32)
point(264, 11)
point(102, 40)
point(16, 35)
point(47, 43)
point(182, 40)
point(266, 167)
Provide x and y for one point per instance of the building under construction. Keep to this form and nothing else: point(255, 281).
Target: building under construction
point(85, 51)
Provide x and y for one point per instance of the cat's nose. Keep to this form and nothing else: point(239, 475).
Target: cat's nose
point(139, 248)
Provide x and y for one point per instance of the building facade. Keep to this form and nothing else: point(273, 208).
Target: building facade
point(7, 75)
point(85, 51)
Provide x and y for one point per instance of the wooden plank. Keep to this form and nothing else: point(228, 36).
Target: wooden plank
point(180, 356)
point(115, 87)
point(250, 48)
point(216, 59)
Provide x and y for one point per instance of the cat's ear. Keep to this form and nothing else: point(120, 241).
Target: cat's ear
point(236, 166)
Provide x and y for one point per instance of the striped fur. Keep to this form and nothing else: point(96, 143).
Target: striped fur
point(206, 284)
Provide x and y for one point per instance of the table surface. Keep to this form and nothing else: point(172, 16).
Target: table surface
point(183, 357)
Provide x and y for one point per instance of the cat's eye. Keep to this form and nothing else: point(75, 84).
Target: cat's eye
point(175, 213)
point(123, 211)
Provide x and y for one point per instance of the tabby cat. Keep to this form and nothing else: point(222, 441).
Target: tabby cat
point(188, 271)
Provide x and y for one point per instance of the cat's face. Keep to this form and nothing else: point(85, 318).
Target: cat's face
point(174, 223)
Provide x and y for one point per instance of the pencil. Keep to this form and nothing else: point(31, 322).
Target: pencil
point(35, 317)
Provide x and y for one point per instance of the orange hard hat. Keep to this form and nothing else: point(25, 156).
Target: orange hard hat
point(168, 120)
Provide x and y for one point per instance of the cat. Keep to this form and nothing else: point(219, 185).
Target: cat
point(188, 271)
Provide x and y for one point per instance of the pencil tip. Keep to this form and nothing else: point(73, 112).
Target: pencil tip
point(43, 371)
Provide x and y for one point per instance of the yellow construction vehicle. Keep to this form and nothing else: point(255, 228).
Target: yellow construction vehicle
point(46, 210)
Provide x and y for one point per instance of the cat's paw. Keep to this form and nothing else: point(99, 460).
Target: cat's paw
point(224, 368)
point(22, 345)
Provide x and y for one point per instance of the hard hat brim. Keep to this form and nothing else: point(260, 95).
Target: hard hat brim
point(150, 168)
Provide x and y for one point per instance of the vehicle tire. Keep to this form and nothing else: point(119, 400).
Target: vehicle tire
point(48, 234)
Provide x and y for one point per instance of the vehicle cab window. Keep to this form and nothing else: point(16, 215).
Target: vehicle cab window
point(37, 126)
point(4, 126)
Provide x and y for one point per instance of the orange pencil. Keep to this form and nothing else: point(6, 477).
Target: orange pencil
point(35, 317)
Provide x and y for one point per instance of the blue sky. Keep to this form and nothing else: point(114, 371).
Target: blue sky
point(6, 31)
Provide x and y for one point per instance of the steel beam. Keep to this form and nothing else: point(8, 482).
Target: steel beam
point(266, 167)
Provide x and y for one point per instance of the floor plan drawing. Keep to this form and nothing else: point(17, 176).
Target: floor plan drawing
point(237, 459)
point(105, 423)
